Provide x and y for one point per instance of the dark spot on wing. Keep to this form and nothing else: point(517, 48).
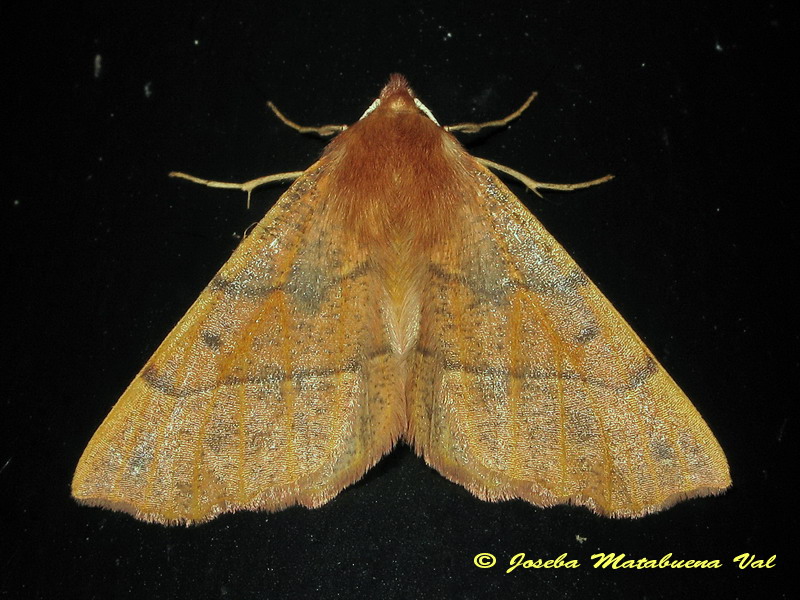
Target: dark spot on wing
point(587, 333)
point(212, 340)
point(662, 450)
point(159, 382)
point(646, 372)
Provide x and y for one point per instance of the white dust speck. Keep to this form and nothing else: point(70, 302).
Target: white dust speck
point(148, 89)
point(98, 66)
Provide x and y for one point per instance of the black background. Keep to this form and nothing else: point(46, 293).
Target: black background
point(694, 242)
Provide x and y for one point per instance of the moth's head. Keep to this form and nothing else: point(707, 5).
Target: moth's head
point(398, 97)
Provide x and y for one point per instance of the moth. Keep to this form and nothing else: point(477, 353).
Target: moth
point(399, 291)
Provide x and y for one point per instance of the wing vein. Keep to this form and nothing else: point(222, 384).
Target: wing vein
point(469, 430)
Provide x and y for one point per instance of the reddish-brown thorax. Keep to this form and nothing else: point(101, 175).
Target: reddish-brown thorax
point(396, 174)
